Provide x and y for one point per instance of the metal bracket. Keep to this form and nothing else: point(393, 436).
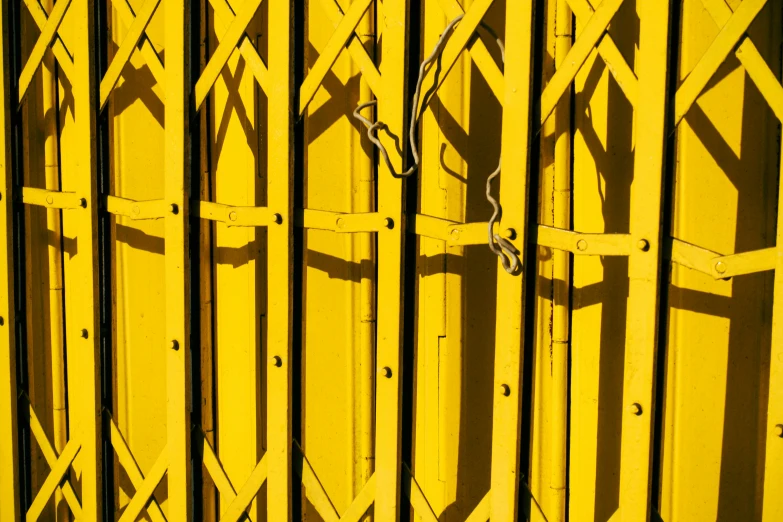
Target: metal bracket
point(52, 198)
point(343, 222)
point(151, 209)
point(720, 266)
point(585, 244)
point(237, 216)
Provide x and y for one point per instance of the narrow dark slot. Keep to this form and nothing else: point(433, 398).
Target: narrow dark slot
point(18, 245)
point(530, 261)
point(410, 206)
point(194, 228)
point(106, 333)
point(299, 270)
point(670, 166)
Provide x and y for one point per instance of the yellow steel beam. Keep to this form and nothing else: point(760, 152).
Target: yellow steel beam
point(515, 150)
point(53, 480)
point(151, 209)
point(392, 108)
point(280, 271)
point(644, 264)
point(9, 479)
point(64, 58)
point(148, 51)
point(83, 320)
point(176, 172)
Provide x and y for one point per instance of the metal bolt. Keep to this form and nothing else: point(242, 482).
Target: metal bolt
point(277, 361)
point(340, 223)
point(277, 218)
point(720, 267)
point(136, 210)
point(509, 233)
point(174, 344)
point(83, 203)
point(2, 321)
point(50, 200)
point(1, 196)
point(386, 372)
point(232, 216)
point(779, 431)
point(643, 245)
point(174, 209)
point(581, 245)
point(85, 333)
point(505, 390)
point(635, 409)
point(455, 234)
point(388, 223)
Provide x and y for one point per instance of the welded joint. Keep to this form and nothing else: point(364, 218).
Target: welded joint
point(137, 210)
point(347, 223)
point(722, 266)
point(238, 216)
point(579, 243)
point(52, 198)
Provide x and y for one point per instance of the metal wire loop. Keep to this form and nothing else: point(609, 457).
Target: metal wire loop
point(503, 248)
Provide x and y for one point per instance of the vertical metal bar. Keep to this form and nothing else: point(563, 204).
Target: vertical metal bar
point(561, 275)
point(9, 478)
point(177, 258)
point(391, 110)
point(515, 151)
point(644, 263)
point(773, 470)
point(83, 322)
point(280, 268)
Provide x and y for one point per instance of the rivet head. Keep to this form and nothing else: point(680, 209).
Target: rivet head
point(83, 203)
point(779, 431)
point(136, 210)
point(232, 216)
point(635, 409)
point(509, 233)
point(720, 267)
point(386, 372)
point(454, 234)
point(174, 344)
point(277, 361)
point(581, 245)
point(340, 223)
point(50, 200)
point(388, 223)
point(2, 321)
point(174, 209)
point(1, 196)
point(277, 218)
point(505, 390)
point(643, 245)
point(85, 333)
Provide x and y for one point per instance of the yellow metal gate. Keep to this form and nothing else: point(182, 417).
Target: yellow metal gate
point(260, 260)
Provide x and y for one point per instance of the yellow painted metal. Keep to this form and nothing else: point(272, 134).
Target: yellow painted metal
point(644, 264)
point(509, 333)
point(280, 271)
point(392, 108)
point(176, 172)
point(9, 463)
point(620, 416)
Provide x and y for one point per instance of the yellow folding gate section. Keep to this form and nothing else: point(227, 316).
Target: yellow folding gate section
point(364, 260)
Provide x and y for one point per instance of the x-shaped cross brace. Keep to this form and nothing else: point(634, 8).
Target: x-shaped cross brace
point(237, 502)
point(52, 460)
point(234, 37)
point(733, 29)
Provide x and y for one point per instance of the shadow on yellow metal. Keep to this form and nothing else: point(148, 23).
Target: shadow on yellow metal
point(219, 302)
